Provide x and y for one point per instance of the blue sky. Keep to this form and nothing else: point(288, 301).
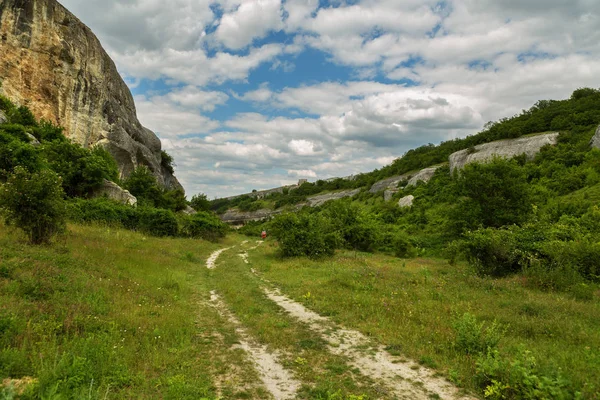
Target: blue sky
point(252, 94)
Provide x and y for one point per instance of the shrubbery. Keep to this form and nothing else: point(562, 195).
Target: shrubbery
point(34, 203)
point(204, 225)
point(305, 234)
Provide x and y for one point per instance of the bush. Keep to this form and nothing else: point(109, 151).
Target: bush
point(204, 225)
point(34, 203)
point(518, 378)
point(403, 247)
point(199, 202)
point(158, 222)
point(492, 251)
point(473, 338)
point(305, 234)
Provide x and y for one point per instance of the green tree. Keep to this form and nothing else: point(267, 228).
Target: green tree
point(142, 184)
point(199, 202)
point(34, 203)
point(495, 194)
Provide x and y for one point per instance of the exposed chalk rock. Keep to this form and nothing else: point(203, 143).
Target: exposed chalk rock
point(236, 217)
point(316, 201)
point(389, 183)
point(189, 211)
point(115, 192)
point(55, 65)
point(389, 193)
point(596, 139)
point(33, 140)
point(423, 175)
point(406, 201)
point(509, 148)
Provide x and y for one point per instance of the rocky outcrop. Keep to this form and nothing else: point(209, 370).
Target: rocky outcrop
point(406, 201)
point(189, 211)
point(389, 183)
point(423, 175)
point(389, 193)
point(235, 217)
point(54, 64)
point(316, 201)
point(509, 148)
point(595, 142)
point(115, 192)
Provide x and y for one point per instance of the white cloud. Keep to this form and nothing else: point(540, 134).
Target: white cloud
point(252, 19)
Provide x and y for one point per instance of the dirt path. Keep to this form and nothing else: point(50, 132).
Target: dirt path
point(406, 380)
point(275, 377)
point(211, 261)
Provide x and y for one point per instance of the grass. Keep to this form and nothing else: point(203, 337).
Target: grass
point(411, 306)
point(108, 313)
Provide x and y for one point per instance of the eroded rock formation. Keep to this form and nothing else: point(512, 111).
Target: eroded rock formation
point(423, 175)
point(315, 201)
point(509, 148)
point(54, 64)
point(596, 139)
point(115, 192)
point(406, 201)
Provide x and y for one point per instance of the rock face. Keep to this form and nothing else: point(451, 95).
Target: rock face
point(406, 201)
point(54, 64)
point(316, 201)
point(115, 192)
point(423, 175)
point(596, 139)
point(235, 217)
point(509, 148)
point(389, 183)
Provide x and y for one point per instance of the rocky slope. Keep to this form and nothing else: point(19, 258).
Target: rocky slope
point(54, 64)
point(530, 146)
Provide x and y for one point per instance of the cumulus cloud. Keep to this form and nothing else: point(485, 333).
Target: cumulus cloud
point(421, 71)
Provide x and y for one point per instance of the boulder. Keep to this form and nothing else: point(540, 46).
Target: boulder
point(595, 142)
point(54, 64)
point(316, 201)
point(33, 140)
point(508, 148)
point(423, 175)
point(406, 201)
point(115, 192)
point(189, 211)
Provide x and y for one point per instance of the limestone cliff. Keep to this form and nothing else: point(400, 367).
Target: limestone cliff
point(509, 148)
point(54, 64)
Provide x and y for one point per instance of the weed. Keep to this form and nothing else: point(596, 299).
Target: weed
point(472, 337)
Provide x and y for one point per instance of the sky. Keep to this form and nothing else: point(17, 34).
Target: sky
point(254, 94)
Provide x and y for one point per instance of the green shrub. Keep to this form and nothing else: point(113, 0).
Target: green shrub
point(492, 251)
point(519, 378)
point(158, 222)
point(204, 225)
point(199, 202)
point(403, 247)
point(305, 234)
point(34, 203)
point(472, 337)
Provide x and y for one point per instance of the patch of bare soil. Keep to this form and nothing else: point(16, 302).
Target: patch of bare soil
point(405, 380)
point(275, 377)
point(211, 261)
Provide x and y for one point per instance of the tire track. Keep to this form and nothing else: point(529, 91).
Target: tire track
point(406, 380)
point(278, 381)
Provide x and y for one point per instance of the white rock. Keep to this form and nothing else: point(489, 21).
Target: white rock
point(115, 192)
point(423, 175)
point(406, 201)
point(596, 139)
point(509, 148)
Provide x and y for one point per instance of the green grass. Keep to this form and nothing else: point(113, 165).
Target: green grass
point(108, 313)
point(411, 307)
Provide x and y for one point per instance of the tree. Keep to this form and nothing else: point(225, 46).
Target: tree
point(199, 202)
point(34, 203)
point(495, 194)
point(142, 184)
